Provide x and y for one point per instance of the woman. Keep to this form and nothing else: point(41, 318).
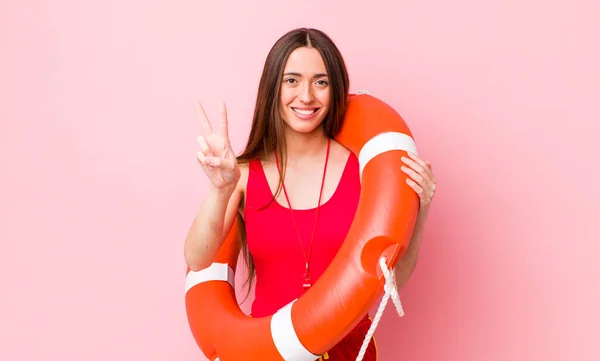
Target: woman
point(294, 187)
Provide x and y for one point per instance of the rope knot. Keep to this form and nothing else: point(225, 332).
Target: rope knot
point(390, 290)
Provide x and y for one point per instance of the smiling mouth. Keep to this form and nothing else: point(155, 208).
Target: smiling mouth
point(305, 111)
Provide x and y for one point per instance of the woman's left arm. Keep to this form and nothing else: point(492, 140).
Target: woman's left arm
point(422, 181)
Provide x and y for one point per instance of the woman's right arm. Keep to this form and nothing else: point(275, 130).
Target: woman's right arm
point(211, 225)
point(218, 210)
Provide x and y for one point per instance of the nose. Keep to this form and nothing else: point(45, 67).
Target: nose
point(306, 93)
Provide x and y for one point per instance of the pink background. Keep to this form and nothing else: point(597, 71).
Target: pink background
point(99, 181)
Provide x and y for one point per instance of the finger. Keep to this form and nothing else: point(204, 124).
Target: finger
point(416, 158)
point(424, 198)
point(418, 189)
point(431, 171)
point(209, 161)
point(220, 163)
point(413, 164)
point(202, 159)
point(223, 124)
point(203, 119)
point(204, 146)
point(415, 176)
point(424, 186)
point(424, 172)
point(214, 162)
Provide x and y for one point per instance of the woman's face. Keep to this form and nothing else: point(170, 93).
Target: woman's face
point(304, 90)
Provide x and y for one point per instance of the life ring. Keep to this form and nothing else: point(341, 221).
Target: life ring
point(309, 326)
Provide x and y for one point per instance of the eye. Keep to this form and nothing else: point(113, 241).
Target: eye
point(290, 80)
point(322, 82)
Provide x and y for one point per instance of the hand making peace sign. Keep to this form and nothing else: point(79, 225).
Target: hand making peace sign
point(216, 156)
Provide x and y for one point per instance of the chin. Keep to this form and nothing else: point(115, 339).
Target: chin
point(303, 127)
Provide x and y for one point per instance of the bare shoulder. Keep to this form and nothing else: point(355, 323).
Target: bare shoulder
point(339, 153)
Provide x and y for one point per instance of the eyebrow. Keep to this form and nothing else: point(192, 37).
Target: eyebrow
point(318, 75)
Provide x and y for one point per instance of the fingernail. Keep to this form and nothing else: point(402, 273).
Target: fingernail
point(404, 158)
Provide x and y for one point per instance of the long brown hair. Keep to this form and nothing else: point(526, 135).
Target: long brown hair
point(267, 132)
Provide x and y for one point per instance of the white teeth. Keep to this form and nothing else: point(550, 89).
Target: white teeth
point(304, 112)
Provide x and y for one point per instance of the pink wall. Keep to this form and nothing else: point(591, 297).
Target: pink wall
point(99, 180)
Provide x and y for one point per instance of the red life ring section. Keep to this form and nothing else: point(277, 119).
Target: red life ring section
point(310, 325)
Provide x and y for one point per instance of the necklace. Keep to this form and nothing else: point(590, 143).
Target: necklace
point(307, 278)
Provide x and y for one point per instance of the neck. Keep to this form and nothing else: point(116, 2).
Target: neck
point(305, 145)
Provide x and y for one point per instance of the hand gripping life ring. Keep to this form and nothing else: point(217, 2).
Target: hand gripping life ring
point(309, 326)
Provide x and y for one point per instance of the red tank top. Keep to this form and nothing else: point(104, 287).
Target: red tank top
point(273, 239)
